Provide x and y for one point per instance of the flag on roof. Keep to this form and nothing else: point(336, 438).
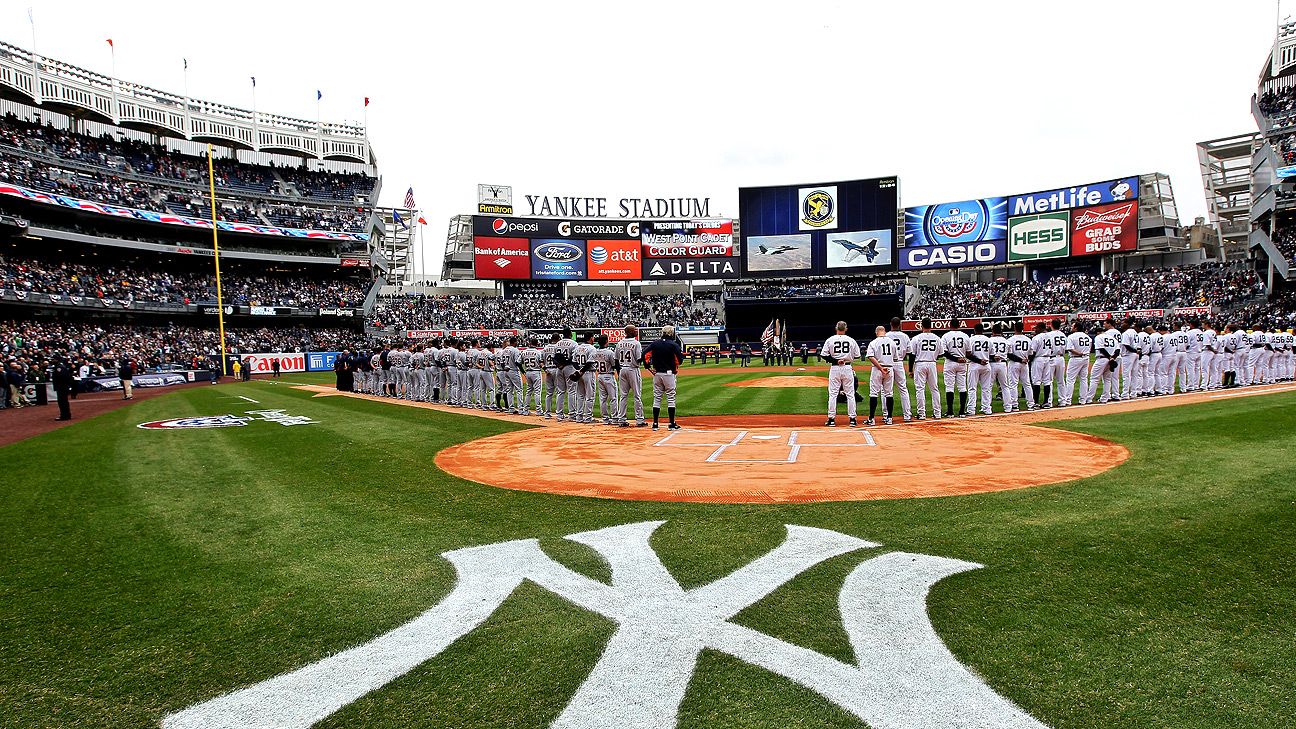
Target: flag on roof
point(409, 198)
point(397, 217)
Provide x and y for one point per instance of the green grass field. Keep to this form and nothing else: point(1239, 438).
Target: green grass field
point(146, 571)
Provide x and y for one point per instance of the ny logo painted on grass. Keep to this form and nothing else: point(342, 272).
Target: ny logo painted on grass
point(904, 676)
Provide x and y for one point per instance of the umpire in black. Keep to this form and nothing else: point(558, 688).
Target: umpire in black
point(63, 380)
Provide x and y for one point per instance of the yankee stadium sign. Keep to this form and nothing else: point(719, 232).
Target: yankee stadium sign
point(903, 676)
point(571, 206)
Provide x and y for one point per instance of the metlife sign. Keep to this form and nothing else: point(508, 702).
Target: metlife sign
point(953, 255)
point(691, 268)
point(1097, 193)
point(1035, 237)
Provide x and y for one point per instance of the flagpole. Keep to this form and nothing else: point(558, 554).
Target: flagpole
point(220, 299)
point(112, 52)
point(256, 134)
point(31, 19)
point(188, 124)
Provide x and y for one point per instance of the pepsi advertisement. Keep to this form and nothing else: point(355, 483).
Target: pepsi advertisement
point(558, 259)
point(965, 221)
point(786, 229)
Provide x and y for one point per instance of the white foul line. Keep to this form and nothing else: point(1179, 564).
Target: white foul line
point(245, 397)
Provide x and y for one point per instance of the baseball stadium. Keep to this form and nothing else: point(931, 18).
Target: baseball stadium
point(809, 450)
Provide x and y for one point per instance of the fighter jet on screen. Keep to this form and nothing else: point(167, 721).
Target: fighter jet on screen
point(781, 249)
point(853, 250)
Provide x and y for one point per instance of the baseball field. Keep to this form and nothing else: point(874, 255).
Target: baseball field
point(1111, 566)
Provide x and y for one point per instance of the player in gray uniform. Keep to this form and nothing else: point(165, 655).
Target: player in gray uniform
point(375, 374)
point(551, 374)
point(629, 358)
point(564, 351)
point(510, 367)
point(399, 359)
point(460, 374)
point(490, 365)
point(605, 367)
point(532, 372)
point(416, 373)
point(440, 373)
point(482, 365)
point(583, 359)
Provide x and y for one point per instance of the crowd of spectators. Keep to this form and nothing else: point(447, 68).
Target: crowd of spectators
point(1285, 240)
point(28, 348)
point(1276, 103)
point(1220, 285)
point(793, 288)
point(491, 312)
point(1279, 312)
point(118, 157)
point(140, 282)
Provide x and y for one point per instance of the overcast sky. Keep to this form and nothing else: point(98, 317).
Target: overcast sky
point(669, 98)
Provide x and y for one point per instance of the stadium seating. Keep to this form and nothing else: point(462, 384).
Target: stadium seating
point(489, 312)
point(804, 288)
point(149, 177)
point(1224, 286)
point(144, 282)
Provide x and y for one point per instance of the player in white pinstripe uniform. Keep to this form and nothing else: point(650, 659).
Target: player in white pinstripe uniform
point(925, 349)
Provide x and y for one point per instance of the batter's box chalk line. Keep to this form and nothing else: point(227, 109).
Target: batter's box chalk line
point(865, 440)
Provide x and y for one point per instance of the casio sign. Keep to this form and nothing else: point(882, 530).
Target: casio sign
point(952, 255)
point(558, 252)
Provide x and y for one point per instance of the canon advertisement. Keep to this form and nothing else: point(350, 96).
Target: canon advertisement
point(822, 228)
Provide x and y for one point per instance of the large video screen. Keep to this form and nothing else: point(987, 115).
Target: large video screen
point(808, 229)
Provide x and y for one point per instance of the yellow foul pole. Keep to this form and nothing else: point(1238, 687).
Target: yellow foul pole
point(220, 299)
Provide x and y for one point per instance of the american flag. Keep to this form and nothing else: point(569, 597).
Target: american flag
point(409, 199)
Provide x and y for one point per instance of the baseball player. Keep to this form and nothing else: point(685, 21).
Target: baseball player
point(605, 361)
point(1257, 357)
point(1155, 358)
point(1057, 345)
point(881, 354)
point(463, 365)
point(978, 370)
point(1209, 352)
point(1227, 348)
point(629, 356)
point(1042, 365)
point(1129, 359)
point(999, 362)
point(512, 367)
point(1242, 356)
point(664, 357)
point(551, 374)
point(840, 351)
point(898, 379)
point(444, 358)
point(1107, 362)
point(924, 350)
point(586, 367)
point(533, 373)
point(1019, 368)
point(1145, 376)
point(375, 374)
point(955, 345)
point(1178, 367)
point(1195, 339)
point(1078, 348)
point(564, 349)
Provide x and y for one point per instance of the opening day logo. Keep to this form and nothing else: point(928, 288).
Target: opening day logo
point(903, 676)
point(228, 421)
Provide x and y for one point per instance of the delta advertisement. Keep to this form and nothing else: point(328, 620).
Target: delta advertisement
point(818, 228)
point(1091, 219)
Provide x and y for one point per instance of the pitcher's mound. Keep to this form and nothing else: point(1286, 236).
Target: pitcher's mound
point(783, 381)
